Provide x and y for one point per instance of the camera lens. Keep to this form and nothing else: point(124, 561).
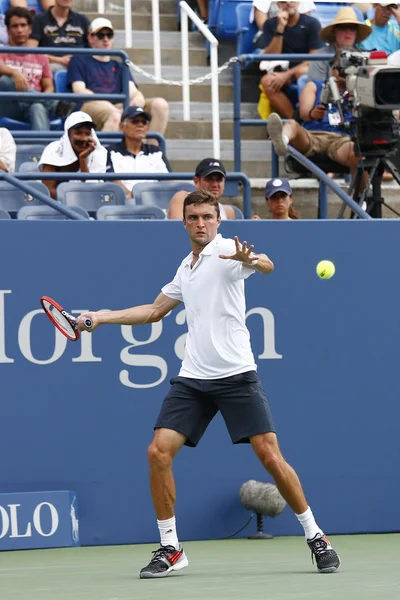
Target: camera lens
point(387, 88)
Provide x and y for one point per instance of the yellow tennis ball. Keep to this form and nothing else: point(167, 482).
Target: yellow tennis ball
point(325, 269)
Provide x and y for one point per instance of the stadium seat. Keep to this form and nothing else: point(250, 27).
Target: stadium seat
point(29, 167)
point(223, 19)
point(35, 5)
point(321, 160)
point(4, 214)
point(245, 30)
point(39, 213)
point(28, 152)
point(13, 125)
point(12, 198)
point(159, 193)
point(60, 81)
point(90, 196)
point(238, 212)
point(113, 213)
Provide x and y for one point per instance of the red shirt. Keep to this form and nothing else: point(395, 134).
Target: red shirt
point(32, 66)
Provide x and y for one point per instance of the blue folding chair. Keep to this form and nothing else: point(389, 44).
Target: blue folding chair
point(4, 214)
point(60, 81)
point(12, 198)
point(114, 213)
point(245, 30)
point(29, 167)
point(238, 212)
point(159, 193)
point(28, 153)
point(90, 196)
point(40, 213)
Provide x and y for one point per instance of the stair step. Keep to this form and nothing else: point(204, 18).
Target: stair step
point(198, 93)
point(201, 111)
point(186, 130)
point(143, 21)
point(116, 7)
point(193, 149)
point(174, 73)
point(168, 39)
point(170, 56)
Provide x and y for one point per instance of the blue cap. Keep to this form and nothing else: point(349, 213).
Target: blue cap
point(135, 111)
point(279, 184)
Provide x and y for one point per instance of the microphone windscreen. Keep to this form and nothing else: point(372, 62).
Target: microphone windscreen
point(263, 498)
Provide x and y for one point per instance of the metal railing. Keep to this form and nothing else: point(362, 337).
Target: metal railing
point(324, 181)
point(186, 13)
point(34, 97)
point(18, 179)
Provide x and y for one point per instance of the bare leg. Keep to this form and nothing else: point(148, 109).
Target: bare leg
point(161, 453)
point(159, 109)
point(345, 156)
point(112, 122)
point(279, 100)
point(266, 447)
point(203, 8)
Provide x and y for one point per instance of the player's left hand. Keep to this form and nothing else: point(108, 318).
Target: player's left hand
point(243, 253)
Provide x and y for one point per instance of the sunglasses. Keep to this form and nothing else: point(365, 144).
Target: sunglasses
point(346, 27)
point(101, 36)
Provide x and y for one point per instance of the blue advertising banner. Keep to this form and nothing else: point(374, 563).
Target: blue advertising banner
point(80, 415)
point(38, 520)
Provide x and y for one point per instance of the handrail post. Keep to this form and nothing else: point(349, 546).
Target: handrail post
point(128, 23)
point(215, 100)
point(100, 7)
point(155, 16)
point(125, 84)
point(323, 201)
point(185, 63)
point(237, 76)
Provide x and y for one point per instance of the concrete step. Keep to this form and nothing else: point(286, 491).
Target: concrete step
point(117, 7)
point(198, 93)
point(168, 39)
point(193, 129)
point(201, 111)
point(170, 56)
point(143, 21)
point(174, 73)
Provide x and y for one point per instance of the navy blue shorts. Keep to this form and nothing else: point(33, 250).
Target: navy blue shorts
point(191, 404)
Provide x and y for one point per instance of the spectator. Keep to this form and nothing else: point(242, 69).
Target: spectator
point(288, 32)
point(27, 72)
point(320, 134)
point(279, 197)
point(45, 4)
point(77, 151)
point(385, 32)
point(132, 155)
point(100, 74)
point(60, 27)
point(345, 32)
point(8, 151)
point(262, 10)
point(210, 176)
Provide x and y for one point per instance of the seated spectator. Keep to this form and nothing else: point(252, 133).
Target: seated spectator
point(27, 72)
point(346, 32)
point(210, 176)
point(132, 155)
point(385, 32)
point(262, 10)
point(60, 27)
point(320, 133)
point(279, 197)
point(100, 74)
point(288, 32)
point(8, 151)
point(45, 4)
point(77, 151)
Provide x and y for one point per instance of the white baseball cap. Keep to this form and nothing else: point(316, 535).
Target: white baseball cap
point(100, 23)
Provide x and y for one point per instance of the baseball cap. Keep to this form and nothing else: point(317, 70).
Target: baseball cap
point(135, 111)
point(100, 23)
point(388, 3)
point(279, 184)
point(78, 118)
point(208, 166)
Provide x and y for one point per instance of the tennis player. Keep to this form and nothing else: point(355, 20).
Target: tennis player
point(218, 373)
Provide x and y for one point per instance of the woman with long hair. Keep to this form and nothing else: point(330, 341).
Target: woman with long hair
point(279, 197)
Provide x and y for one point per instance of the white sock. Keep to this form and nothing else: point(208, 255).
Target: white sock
point(310, 527)
point(285, 139)
point(168, 535)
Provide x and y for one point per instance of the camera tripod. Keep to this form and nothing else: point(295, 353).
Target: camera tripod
point(374, 166)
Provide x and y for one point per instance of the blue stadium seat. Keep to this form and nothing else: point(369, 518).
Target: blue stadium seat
point(13, 125)
point(28, 153)
point(159, 193)
point(90, 196)
point(60, 81)
point(326, 11)
point(113, 213)
point(39, 213)
point(29, 167)
point(12, 198)
point(223, 19)
point(245, 30)
point(35, 4)
point(238, 212)
point(4, 214)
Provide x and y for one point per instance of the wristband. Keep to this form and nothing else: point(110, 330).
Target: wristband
point(276, 32)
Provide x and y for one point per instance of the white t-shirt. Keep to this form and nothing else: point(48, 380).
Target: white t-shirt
point(218, 341)
point(265, 5)
point(8, 149)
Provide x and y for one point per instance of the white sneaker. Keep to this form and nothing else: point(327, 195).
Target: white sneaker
point(275, 132)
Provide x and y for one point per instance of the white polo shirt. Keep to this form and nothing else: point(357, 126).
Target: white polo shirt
point(218, 341)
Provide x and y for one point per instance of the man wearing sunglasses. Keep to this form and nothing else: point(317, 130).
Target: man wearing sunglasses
point(101, 74)
point(385, 30)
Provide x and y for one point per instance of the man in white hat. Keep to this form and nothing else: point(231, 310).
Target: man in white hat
point(100, 74)
point(78, 150)
point(346, 31)
point(385, 30)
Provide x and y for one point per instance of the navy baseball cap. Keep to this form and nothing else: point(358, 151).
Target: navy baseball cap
point(135, 111)
point(279, 184)
point(208, 166)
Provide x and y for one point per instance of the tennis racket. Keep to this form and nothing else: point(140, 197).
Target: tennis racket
point(66, 323)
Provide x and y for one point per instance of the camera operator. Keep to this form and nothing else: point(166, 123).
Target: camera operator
point(385, 31)
point(321, 132)
point(346, 32)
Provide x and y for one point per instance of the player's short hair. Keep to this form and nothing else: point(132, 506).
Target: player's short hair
point(17, 11)
point(201, 197)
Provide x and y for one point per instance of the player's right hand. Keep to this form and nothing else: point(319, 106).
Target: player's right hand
point(89, 315)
